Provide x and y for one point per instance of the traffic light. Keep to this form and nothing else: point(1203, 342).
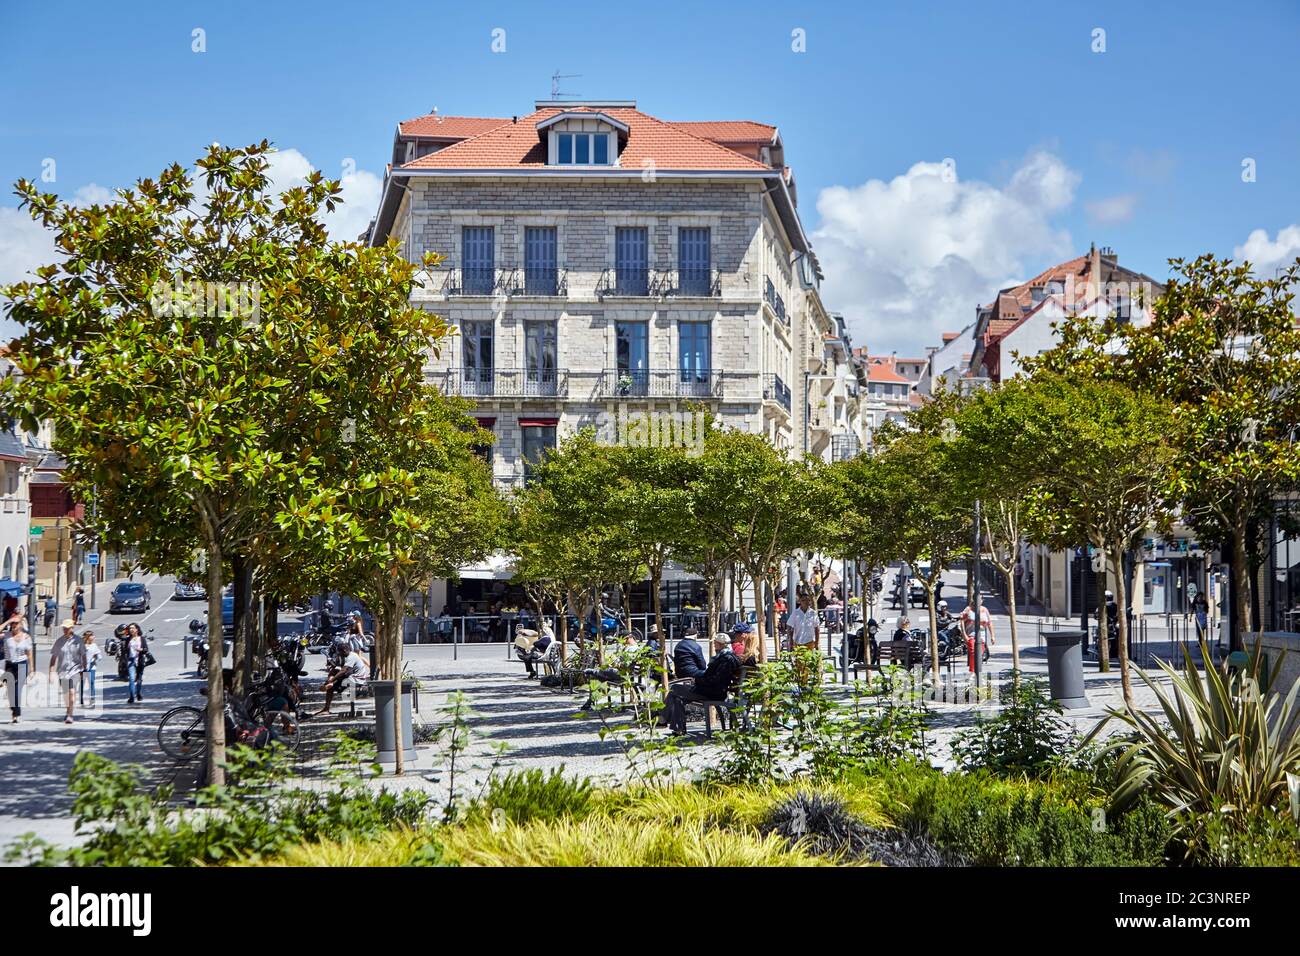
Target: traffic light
point(31, 573)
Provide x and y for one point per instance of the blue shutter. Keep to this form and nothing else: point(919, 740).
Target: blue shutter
point(539, 260)
point(693, 260)
point(479, 257)
point(631, 274)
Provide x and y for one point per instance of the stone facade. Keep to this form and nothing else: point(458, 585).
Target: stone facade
point(748, 342)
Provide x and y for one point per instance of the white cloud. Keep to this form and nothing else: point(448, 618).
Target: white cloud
point(361, 191)
point(1112, 210)
point(909, 259)
point(1268, 255)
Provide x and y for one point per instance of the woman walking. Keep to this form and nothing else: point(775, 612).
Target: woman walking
point(20, 664)
point(137, 658)
point(92, 659)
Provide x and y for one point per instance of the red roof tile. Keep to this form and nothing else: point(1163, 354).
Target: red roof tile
point(880, 369)
point(518, 145)
point(435, 126)
point(730, 131)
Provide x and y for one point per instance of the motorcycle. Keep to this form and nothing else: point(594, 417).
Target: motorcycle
point(200, 648)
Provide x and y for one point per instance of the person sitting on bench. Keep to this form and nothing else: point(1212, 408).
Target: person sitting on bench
point(354, 669)
point(711, 686)
point(537, 650)
point(688, 657)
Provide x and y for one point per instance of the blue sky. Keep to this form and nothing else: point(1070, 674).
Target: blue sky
point(1053, 145)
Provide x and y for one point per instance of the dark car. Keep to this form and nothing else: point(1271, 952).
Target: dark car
point(129, 596)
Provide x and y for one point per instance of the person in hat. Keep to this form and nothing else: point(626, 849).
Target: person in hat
point(68, 660)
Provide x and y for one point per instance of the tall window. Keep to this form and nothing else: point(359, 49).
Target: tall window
point(539, 260)
point(478, 257)
point(693, 352)
point(633, 357)
point(693, 263)
point(476, 357)
point(539, 352)
point(536, 438)
point(632, 260)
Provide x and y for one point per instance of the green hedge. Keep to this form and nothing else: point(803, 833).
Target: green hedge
point(996, 822)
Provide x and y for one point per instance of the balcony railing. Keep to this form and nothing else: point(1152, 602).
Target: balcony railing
point(504, 382)
point(774, 301)
point(636, 281)
point(775, 390)
point(655, 383)
point(13, 506)
point(545, 282)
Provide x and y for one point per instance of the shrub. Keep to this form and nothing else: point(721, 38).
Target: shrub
point(1027, 738)
point(1265, 839)
point(599, 840)
point(822, 822)
point(1222, 752)
point(534, 795)
point(399, 847)
point(128, 825)
point(995, 822)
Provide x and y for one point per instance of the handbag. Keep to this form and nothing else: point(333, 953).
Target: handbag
point(149, 659)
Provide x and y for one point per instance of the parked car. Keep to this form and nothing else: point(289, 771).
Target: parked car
point(129, 596)
point(190, 591)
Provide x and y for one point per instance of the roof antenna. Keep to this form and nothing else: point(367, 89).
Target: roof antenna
point(555, 84)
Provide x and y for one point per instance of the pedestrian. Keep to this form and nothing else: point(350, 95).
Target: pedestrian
point(79, 606)
point(137, 659)
point(973, 634)
point(803, 625)
point(20, 664)
point(51, 611)
point(93, 654)
point(1201, 610)
point(67, 661)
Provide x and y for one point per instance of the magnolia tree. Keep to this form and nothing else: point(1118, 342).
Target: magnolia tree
point(199, 349)
point(1105, 480)
point(1223, 349)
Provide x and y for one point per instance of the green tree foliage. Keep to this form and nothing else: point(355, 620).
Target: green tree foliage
point(198, 422)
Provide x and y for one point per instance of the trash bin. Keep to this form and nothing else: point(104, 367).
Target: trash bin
point(1065, 668)
point(384, 743)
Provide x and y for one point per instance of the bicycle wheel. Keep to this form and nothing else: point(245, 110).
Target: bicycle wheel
point(182, 734)
point(284, 729)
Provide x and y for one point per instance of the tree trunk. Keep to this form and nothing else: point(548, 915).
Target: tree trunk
point(711, 602)
point(216, 714)
point(1121, 603)
point(393, 637)
point(1011, 607)
point(656, 573)
point(1103, 622)
point(1240, 585)
point(756, 577)
point(242, 650)
point(934, 631)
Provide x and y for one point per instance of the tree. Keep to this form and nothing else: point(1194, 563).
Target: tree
point(1106, 479)
point(918, 495)
point(1223, 348)
point(199, 351)
point(997, 454)
point(756, 504)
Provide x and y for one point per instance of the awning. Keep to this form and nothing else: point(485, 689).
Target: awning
point(10, 587)
point(498, 567)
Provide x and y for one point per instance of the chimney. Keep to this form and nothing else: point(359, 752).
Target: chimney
point(1094, 272)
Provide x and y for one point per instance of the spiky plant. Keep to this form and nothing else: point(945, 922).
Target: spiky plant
point(1225, 745)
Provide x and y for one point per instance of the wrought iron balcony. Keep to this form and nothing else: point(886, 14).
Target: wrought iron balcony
point(629, 282)
point(774, 300)
point(775, 390)
point(657, 383)
point(683, 282)
point(479, 281)
point(544, 282)
point(504, 382)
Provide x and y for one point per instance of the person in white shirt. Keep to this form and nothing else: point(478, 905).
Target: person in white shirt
point(354, 668)
point(20, 664)
point(968, 631)
point(93, 654)
point(803, 625)
point(68, 659)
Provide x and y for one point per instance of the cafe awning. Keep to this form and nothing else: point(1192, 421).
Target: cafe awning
point(498, 567)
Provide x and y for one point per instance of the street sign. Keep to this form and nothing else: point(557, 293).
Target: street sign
point(36, 530)
point(92, 559)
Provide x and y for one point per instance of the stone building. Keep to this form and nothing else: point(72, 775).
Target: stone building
point(602, 263)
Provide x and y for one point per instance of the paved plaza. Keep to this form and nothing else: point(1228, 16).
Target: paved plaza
point(542, 727)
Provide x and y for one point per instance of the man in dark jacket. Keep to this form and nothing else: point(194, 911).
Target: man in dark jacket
point(688, 658)
point(712, 685)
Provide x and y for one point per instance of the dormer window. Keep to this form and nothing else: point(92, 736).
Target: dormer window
point(582, 138)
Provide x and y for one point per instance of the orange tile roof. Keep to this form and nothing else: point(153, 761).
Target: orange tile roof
point(730, 131)
point(880, 369)
point(518, 145)
point(435, 126)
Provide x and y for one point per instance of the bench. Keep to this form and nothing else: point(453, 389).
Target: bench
point(354, 690)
